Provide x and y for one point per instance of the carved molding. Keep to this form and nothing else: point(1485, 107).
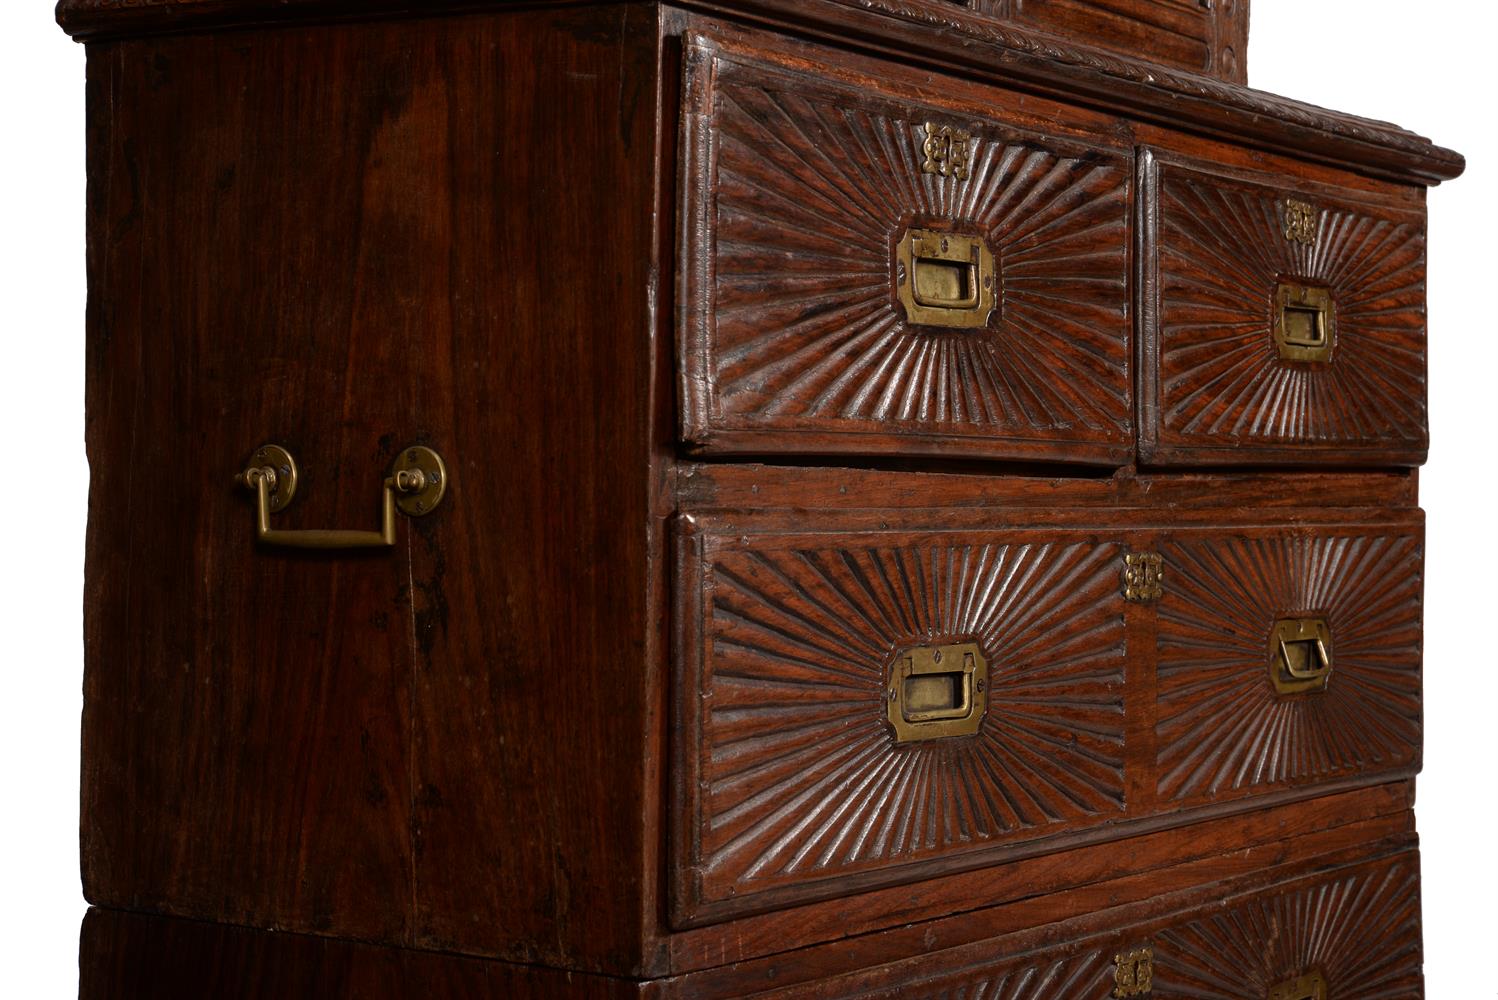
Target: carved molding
point(1162, 78)
point(94, 18)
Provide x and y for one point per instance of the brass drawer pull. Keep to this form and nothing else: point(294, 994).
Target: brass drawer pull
point(1311, 986)
point(937, 691)
point(415, 486)
point(945, 279)
point(1300, 655)
point(1305, 322)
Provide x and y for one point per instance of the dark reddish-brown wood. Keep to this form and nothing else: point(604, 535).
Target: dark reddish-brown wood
point(1203, 37)
point(791, 787)
point(1213, 388)
point(609, 722)
point(797, 189)
point(1239, 935)
point(135, 956)
point(440, 745)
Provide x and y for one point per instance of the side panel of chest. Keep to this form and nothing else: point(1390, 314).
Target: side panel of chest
point(324, 238)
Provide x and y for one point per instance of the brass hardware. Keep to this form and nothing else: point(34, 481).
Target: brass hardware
point(937, 691)
point(1300, 220)
point(945, 279)
point(1305, 322)
point(1311, 986)
point(1134, 972)
point(1300, 655)
point(947, 151)
point(416, 485)
point(1143, 577)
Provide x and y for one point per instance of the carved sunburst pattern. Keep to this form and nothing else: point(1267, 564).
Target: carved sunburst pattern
point(1088, 976)
point(800, 775)
point(1222, 728)
point(1361, 931)
point(805, 189)
point(1222, 251)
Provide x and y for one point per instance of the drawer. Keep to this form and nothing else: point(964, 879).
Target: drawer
point(877, 264)
point(874, 698)
point(1343, 607)
point(1281, 322)
point(1352, 931)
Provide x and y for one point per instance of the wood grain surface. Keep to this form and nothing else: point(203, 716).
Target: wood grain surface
point(1213, 388)
point(441, 744)
point(609, 722)
point(797, 188)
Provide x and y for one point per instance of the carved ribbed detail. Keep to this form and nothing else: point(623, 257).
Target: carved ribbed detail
point(1088, 976)
point(1155, 76)
point(800, 774)
point(1222, 728)
point(796, 325)
point(1222, 252)
point(1361, 931)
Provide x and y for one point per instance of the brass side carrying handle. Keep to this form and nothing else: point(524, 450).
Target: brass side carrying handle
point(416, 485)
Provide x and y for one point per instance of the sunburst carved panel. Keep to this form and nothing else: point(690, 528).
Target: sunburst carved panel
point(797, 775)
point(1222, 729)
point(796, 191)
point(1361, 931)
point(1221, 383)
point(1086, 976)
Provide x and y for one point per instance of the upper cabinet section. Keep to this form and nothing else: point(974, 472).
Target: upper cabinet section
point(872, 266)
point(1281, 322)
point(1199, 35)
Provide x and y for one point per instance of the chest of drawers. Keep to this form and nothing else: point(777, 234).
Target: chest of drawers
point(849, 499)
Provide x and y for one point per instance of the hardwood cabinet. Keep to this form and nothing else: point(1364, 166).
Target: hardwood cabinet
point(926, 505)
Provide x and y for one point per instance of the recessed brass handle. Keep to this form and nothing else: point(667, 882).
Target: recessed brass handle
point(415, 486)
point(937, 691)
point(1300, 655)
point(1311, 986)
point(1305, 322)
point(945, 279)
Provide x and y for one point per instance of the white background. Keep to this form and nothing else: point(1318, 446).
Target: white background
point(1429, 66)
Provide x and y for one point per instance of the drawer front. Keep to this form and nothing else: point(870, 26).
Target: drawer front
point(1232, 718)
point(793, 770)
point(1280, 322)
point(870, 267)
point(1353, 932)
point(867, 699)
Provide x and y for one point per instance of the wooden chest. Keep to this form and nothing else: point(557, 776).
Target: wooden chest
point(808, 498)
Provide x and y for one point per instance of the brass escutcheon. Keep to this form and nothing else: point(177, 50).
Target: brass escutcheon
point(937, 691)
point(1134, 972)
point(1300, 655)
